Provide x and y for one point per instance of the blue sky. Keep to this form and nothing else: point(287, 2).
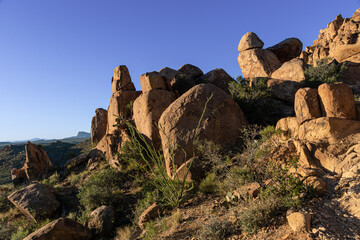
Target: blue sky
point(57, 57)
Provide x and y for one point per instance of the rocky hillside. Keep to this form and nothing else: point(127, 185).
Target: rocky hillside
point(13, 156)
point(271, 155)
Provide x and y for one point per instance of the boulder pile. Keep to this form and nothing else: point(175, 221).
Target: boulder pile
point(173, 107)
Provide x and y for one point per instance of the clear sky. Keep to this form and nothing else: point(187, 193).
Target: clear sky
point(57, 56)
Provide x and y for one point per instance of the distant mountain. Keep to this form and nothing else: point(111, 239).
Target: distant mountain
point(83, 134)
point(80, 137)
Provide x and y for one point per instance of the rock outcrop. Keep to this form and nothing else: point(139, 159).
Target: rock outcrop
point(61, 229)
point(339, 41)
point(36, 201)
point(124, 94)
point(98, 125)
point(220, 123)
point(148, 108)
point(37, 164)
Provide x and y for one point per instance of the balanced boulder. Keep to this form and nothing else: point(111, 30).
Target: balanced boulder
point(288, 49)
point(205, 112)
point(248, 41)
point(121, 80)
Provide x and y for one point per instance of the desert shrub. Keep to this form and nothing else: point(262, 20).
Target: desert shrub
point(52, 180)
point(103, 188)
point(123, 233)
point(172, 191)
point(324, 72)
point(209, 184)
point(215, 229)
point(24, 227)
point(257, 214)
point(256, 102)
point(154, 228)
point(254, 164)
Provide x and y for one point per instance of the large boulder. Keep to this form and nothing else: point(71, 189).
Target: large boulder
point(283, 90)
point(307, 105)
point(288, 49)
point(191, 71)
point(221, 123)
point(121, 81)
point(147, 111)
point(37, 164)
point(98, 125)
point(168, 73)
point(292, 70)
point(218, 77)
point(152, 80)
point(327, 129)
point(337, 100)
point(36, 201)
point(119, 106)
point(61, 229)
point(248, 41)
point(257, 62)
point(102, 221)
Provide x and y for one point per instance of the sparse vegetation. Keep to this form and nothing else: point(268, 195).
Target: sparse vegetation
point(216, 229)
point(256, 101)
point(324, 72)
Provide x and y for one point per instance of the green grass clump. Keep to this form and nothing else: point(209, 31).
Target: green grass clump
point(209, 184)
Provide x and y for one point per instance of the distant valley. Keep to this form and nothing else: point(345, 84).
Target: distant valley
point(12, 154)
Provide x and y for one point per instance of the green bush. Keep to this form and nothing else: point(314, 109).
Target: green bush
point(324, 72)
point(103, 188)
point(52, 180)
point(256, 102)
